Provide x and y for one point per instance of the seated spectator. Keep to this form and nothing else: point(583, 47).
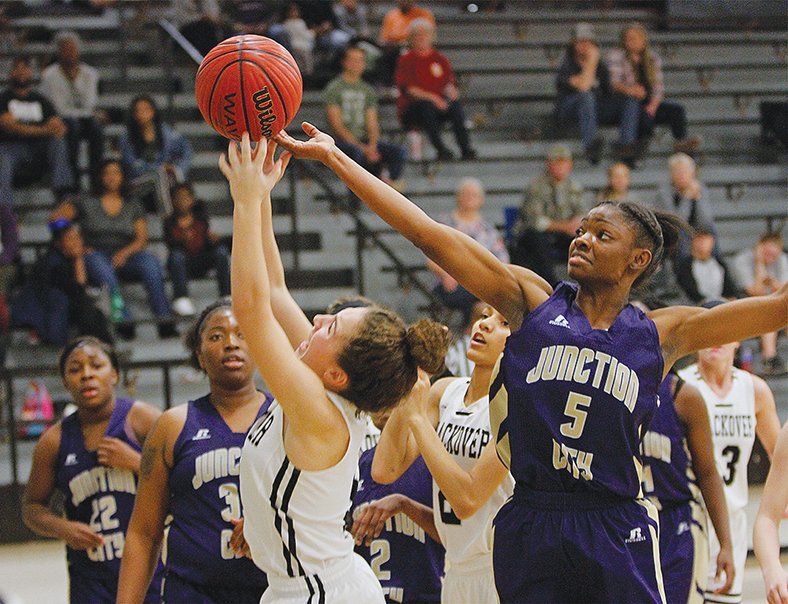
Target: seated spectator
point(617, 187)
point(584, 95)
point(200, 22)
point(687, 197)
point(468, 219)
point(394, 36)
point(154, 156)
point(116, 240)
point(351, 18)
point(352, 112)
point(428, 92)
point(72, 86)
point(330, 41)
point(260, 18)
point(548, 217)
point(636, 72)
point(194, 248)
point(761, 270)
point(701, 275)
point(302, 39)
point(31, 135)
point(56, 296)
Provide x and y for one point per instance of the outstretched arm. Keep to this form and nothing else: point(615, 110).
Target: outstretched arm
point(691, 409)
point(765, 538)
point(684, 330)
point(313, 420)
point(470, 263)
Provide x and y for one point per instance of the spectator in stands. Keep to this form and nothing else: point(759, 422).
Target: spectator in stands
point(689, 198)
point(154, 155)
point(584, 97)
point(56, 297)
point(549, 216)
point(351, 18)
point(200, 22)
point(302, 39)
point(260, 18)
point(761, 270)
point(116, 237)
point(330, 41)
point(428, 92)
point(193, 247)
point(72, 86)
point(467, 218)
point(31, 136)
point(394, 36)
point(636, 72)
point(617, 186)
point(701, 275)
point(352, 112)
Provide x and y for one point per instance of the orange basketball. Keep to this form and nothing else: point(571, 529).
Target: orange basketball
point(248, 84)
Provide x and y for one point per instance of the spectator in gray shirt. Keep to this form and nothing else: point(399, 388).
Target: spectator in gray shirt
point(72, 86)
point(548, 217)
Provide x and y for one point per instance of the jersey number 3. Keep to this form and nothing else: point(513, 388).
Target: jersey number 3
point(730, 468)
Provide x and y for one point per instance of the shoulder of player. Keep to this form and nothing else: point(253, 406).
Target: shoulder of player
point(142, 416)
point(49, 442)
point(438, 388)
point(762, 391)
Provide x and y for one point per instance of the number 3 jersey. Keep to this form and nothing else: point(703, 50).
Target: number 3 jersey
point(204, 498)
point(570, 404)
point(103, 498)
point(732, 420)
point(465, 431)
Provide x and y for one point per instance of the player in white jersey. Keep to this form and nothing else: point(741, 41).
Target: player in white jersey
point(451, 430)
point(741, 407)
point(300, 459)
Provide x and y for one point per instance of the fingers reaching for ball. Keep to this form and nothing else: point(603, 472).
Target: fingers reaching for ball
point(252, 173)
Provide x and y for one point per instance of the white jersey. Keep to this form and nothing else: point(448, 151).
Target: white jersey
point(295, 520)
point(465, 431)
point(371, 435)
point(732, 421)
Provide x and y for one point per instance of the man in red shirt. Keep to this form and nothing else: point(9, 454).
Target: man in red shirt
point(428, 92)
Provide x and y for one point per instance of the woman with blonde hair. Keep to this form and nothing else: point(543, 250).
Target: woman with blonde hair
point(636, 72)
point(617, 186)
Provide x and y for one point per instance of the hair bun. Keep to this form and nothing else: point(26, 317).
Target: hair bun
point(428, 341)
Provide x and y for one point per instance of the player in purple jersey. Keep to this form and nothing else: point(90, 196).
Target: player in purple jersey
point(92, 457)
point(773, 508)
point(678, 460)
point(403, 549)
point(189, 498)
point(576, 389)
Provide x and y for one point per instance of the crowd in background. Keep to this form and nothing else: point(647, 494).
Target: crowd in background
point(45, 116)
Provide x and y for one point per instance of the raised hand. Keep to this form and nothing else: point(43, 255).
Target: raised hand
point(252, 174)
point(320, 145)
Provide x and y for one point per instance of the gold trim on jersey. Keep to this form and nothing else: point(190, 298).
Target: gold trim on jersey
point(700, 555)
point(652, 512)
point(499, 411)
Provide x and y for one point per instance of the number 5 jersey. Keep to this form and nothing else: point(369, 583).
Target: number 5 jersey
point(103, 498)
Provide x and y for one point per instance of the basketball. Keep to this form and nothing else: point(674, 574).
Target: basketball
point(248, 84)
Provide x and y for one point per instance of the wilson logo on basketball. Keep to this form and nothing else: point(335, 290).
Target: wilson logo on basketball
point(264, 108)
point(229, 113)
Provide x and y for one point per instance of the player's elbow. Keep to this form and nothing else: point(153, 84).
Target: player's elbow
point(384, 475)
point(465, 507)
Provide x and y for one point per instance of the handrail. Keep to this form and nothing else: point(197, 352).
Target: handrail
point(364, 235)
point(169, 68)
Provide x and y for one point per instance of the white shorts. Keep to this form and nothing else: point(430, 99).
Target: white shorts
point(349, 581)
point(469, 586)
point(738, 520)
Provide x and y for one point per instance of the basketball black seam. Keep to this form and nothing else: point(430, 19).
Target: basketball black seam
point(292, 66)
point(241, 82)
point(216, 81)
point(274, 86)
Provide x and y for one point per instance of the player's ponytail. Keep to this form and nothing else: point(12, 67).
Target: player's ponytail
point(382, 359)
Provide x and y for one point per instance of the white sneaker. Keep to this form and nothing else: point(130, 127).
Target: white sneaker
point(183, 307)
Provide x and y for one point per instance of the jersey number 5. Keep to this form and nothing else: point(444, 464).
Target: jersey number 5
point(573, 409)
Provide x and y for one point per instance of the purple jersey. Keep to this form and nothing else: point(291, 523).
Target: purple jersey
point(569, 403)
point(103, 498)
point(668, 479)
point(406, 561)
point(204, 497)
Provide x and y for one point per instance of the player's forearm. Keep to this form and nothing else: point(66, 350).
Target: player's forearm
point(396, 450)
point(39, 519)
point(765, 542)
point(421, 515)
point(248, 273)
point(714, 497)
point(140, 555)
